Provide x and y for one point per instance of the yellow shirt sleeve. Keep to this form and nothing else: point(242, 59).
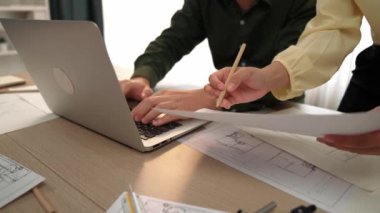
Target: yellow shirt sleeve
point(327, 39)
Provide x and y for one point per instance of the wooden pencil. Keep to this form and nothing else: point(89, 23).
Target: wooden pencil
point(42, 200)
point(234, 66)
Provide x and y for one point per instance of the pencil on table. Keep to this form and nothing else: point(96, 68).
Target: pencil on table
point(42, 200)
point(136, 201)
point(234, 66)
point(128, 199)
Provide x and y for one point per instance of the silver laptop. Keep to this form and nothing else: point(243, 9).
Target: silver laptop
point(69, 63)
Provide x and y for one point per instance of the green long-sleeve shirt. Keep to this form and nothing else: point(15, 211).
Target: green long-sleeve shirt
point(269, 27)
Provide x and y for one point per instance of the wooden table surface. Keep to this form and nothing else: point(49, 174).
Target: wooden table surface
point(86, 172)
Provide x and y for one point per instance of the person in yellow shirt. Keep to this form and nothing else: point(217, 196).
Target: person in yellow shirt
point(326, 40)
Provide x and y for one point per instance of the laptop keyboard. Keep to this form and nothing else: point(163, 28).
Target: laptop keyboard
point(148, 131)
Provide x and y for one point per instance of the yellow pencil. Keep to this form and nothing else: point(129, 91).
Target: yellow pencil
point(130, 203)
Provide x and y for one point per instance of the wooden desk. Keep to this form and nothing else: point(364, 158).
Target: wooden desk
point(59, 192)
point(86, 172)
point(24, 75)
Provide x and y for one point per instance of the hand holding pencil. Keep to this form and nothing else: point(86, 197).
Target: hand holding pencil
point(244, 85)
point(234, 67)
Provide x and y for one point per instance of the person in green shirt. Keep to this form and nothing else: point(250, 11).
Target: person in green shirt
point(266, 26)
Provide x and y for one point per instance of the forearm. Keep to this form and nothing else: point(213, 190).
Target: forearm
point(147, 72)
point(142, 80)
point(324, 44)
point(276, 76)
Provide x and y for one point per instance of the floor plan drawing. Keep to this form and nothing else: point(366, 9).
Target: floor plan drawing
point(362, 171)
point(155, 205)
point(292, 165)
point(341, 155)
point(255, 157)
point(237, 141)
point(160, 206)
point(11, 172)
point(15, 180)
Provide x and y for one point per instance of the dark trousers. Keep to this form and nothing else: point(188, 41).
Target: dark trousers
point(363, 91)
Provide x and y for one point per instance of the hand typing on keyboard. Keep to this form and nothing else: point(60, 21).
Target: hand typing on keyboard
point(190, 100)
point(147, 131)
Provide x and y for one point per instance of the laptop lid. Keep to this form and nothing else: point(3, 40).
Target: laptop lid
point(69, 63)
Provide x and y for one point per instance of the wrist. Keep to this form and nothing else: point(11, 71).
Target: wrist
point(277, 76)
point(141, 80)
point(208, 101)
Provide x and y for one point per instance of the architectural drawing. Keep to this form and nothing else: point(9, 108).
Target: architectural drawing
point(11, 171)
point(292, 165)
point(342, 155)
point(362, 171)
point(243, 142)
point(238, 141)
point(155, 205)
point(270, 164)
point(164, 207)
point(15, 180)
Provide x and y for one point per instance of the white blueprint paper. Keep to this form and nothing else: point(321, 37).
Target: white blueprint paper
point(304, 124)
point(17, 113)
point(255, 157)
point(361, 170)
point(15, 180)
point(154, 205)
point(36, 99)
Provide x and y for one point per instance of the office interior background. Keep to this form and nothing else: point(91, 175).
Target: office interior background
point(129, 26)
